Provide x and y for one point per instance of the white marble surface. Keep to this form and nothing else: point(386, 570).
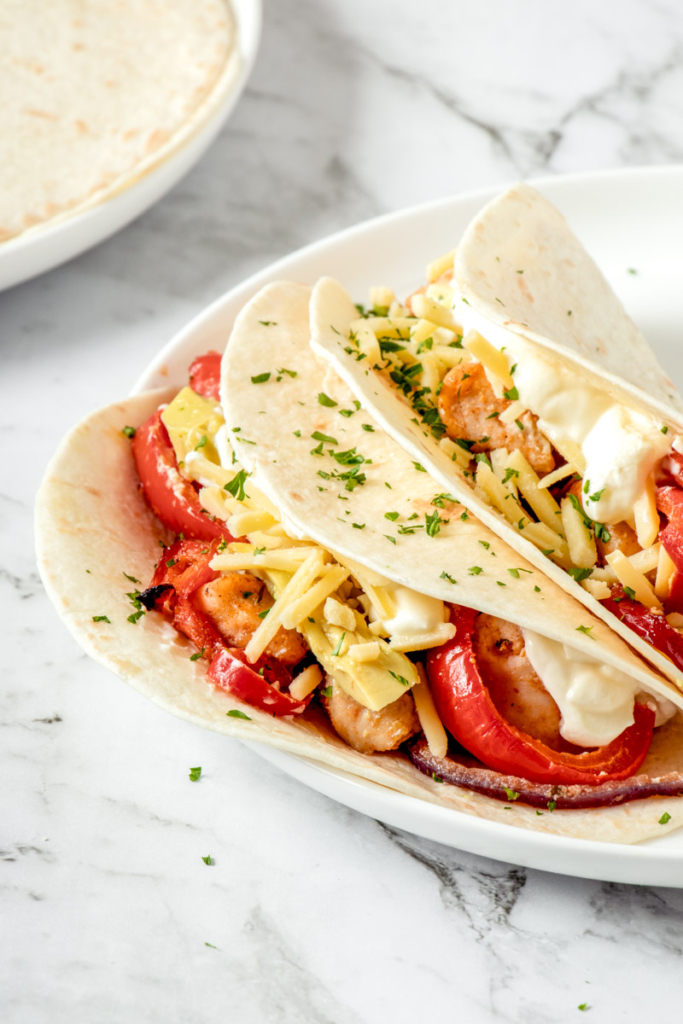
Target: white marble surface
point(317, 914)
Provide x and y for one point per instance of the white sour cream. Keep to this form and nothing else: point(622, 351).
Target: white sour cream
point(620, 446)
point(595, 700)
point(415, 613)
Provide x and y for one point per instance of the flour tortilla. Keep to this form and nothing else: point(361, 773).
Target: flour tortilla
point(519, 265)
point(332, 312)
point(90, 515)
point(94, 95)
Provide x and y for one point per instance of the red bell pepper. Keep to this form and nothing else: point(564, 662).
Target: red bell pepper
point(467, 711)
point(670, 502)
point(257, 685)
point(653, 628)
point(205, 375)
point(172, 498)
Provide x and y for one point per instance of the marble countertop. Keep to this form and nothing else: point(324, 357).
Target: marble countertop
point(311, 912)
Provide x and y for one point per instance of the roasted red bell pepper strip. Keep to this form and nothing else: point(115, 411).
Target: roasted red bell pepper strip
point(468, 713)
point(184, 568)
point(205, 375)
point(172, 498)
point(653, 628)
point(257, 685)
point(670, 502)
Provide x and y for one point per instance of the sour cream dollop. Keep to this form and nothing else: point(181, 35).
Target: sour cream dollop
point(595, 700)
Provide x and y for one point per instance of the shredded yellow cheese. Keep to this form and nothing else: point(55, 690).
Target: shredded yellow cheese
point(630, 577)
point(432, 726)
point(310, 599)
point(665, 570)
point(297, 586)
point(438, 267)
point(646, 516)
point(582, 549)
point(305, 682)
point(491, 358)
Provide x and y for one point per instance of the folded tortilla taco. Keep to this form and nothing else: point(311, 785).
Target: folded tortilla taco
point(499, 377)
point(277, 568)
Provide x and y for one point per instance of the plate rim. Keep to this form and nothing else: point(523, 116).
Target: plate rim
point(612, 862)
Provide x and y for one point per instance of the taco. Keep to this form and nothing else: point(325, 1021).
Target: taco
point(359, 611)
point(499, 377)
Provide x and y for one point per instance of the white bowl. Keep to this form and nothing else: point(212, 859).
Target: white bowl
point(46, 247)
point(627, 219)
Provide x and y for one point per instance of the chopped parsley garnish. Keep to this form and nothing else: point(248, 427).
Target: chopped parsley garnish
point(439, 499)
point(419, 468)
point(399, 679)
point(511, 794)
point(260, 378)
point(579, 574)
point(664, 429)
point(447, 576)
point(297, 433)
point(208, 860)
point(290, 373)
point(475, 570)
point(358, 526)
point(101, 618)
point(335, 652)
point(583, 1007)
point(268, 323)
point(483, 457)
point(318, 436)
point(664, 818)
point(325, 400)
point(509, 473)
point(464, 517)
point(389, 537)
point(586, 630)
point(519, 424)
point(485, 544)
point(392, 515)
point(436, 778)
point(202, 441)
point(318, 450)
point(195, 774)
point(552, 804)
point(264, 613)
point(171, 562)
point(493, 416)
point(433, 523)
point(501, 584)
point(197, 655)
point(537, 590)
point(512, 395)
point(327, 691)
point(370, 429)
point(131, 578)
point(136, 616)
point(236, 485)
point(597, 495)
point(630, 592)
point(238, 714)
point(129, 432)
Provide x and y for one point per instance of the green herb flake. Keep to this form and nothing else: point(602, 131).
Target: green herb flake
point(238, 714)
point(327, 691)
point(509, 473)
point(357, 526)
point(210, 945)
point(512, 395)
point(195, 774)
point(129, 432)
point(447, 576)
point(297, 433)
point(389, 537)
point(665, 818)
point(264, 613)
point(464, 517)
point(260, 378)
point(664, 429)
point(399, 679)
point(475, 570)
point(519, 424)
point(208, 860)
point(552, 804)
point(101, 618)
point(436, 778)
point(630, 593)
point(537, 590)
point(236, 485)
point(202, 441)
point(325, 400)
point(370, 429)
point(290, 373)
point(392, 515)
point(335, 652)
point(318, 436)
point(433, 523)
point(583, 1007)
point(419, 468)
point(511, 794)
point(586, 630)
point(135, 617)
point(501, 584)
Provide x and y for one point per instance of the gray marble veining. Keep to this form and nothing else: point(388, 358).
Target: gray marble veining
point(310, 913)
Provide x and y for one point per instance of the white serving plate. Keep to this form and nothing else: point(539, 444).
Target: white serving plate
point(46, 247)
point(629, 220)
